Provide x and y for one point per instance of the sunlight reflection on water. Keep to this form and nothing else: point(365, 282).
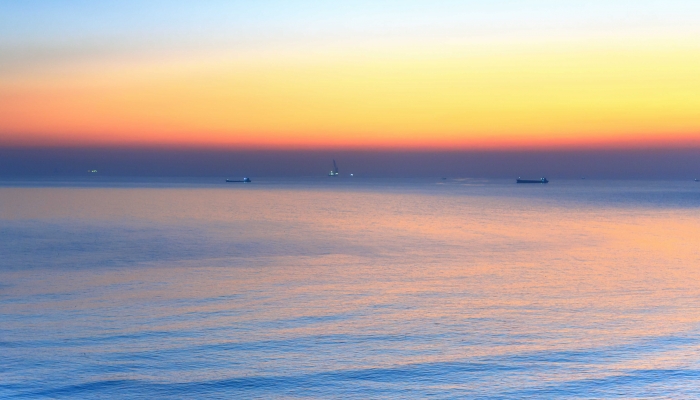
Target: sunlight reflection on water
point(350, 291)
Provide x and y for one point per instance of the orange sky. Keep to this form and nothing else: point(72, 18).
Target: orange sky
point(608, 90)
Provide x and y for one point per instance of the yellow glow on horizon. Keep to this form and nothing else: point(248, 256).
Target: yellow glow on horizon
point(461, 99)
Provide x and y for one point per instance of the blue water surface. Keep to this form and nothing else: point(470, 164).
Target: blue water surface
point(340, 288)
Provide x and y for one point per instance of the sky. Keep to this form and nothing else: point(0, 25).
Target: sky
point(53, 164)
point(350, 76)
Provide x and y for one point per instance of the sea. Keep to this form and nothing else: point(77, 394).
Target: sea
point(349, 288)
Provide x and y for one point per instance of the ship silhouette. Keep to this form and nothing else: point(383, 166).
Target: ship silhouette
point(541, 180)
point(334, 171)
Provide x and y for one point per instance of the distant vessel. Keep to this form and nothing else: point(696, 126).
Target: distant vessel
point(244, 180)
point(697, 180)
point(334, 172)
point(541, 180)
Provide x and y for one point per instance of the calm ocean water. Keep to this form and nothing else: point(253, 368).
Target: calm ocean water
point(349, 289)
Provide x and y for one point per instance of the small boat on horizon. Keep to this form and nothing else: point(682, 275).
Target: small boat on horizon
point(334, 171)
point(244, 180)
point(541, 180)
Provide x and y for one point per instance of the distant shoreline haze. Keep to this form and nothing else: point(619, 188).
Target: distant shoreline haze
point(154, 162)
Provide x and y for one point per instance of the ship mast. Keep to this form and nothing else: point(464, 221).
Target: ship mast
point(334, 171)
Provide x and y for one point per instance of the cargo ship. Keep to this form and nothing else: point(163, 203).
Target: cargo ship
point(244, 180)
point(541, 180)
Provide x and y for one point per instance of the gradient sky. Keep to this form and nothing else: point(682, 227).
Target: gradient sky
point(419, 75)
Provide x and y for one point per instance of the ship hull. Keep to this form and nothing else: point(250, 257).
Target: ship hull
point(532, 181)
